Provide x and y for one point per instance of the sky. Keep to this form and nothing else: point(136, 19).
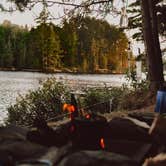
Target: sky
point(28, 18)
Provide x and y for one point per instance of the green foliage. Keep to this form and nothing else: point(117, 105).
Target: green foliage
point(96, 98)
point(123, 98)
point(12, 42)
point(101, 47)
point(50, 47)
point(133, 81)
point(68, 40)
point(33, 50)
point(135, 21)
point(77, 45)
point(45, 102)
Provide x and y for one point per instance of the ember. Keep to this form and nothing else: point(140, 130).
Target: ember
point(87, 116)
point(102, 144)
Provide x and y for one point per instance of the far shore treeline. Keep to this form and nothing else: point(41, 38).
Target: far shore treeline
point(76, 45)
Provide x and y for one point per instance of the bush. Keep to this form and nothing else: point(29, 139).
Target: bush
point(45, 102)
point(124, 98)
point(97, 98)
point(134, 83)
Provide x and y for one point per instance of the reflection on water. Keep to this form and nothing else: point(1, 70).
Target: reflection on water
point(14, 83)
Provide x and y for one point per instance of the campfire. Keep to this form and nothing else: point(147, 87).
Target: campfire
point(86, 129)
point(90, 133)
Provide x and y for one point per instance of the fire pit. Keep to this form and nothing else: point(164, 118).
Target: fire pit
point(88, 133)
point(87, 129)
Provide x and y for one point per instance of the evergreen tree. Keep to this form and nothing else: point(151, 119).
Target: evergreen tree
point(49, 42)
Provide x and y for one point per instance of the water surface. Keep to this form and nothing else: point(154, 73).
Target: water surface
point(14, 83)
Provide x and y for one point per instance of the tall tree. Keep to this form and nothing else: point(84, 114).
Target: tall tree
point(68, 38)
point(154, 57)
point(49, 41)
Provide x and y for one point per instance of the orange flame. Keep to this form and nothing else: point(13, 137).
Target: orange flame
point(68, 107)
point(102, 144)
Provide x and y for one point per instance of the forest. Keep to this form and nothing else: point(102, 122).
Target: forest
point(78, 44)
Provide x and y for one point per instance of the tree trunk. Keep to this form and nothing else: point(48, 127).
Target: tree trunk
point(153, 51)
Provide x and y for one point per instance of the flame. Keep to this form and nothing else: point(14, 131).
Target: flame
point(102, 144)
point(68, 107)
point(64, 107)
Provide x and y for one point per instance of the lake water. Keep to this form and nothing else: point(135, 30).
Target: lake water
point(14, 83)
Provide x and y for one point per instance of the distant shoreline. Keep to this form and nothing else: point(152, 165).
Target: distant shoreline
point(54, 72)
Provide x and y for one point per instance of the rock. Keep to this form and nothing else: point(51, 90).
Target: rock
point(135, 150)
point(13, 132)
point(159, 160)
point(51, 157)
point(54, 155)
point(47, 136)
point(147, 117)
point(20, 150)
point(96, 158)
point(158, 129)
point(127, 129)
point(14, 147)
point(6, 159)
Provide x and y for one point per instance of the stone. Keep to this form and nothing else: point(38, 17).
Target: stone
point(47, 136)
point(147, 117)
point(15, 147)
point(159, 160)
point(96, 158)
point(13, 132)
point(54, 155)
point(158, 129)
point(127, 129)
point(135, 150)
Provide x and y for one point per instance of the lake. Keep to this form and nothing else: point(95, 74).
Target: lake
point(14, 83)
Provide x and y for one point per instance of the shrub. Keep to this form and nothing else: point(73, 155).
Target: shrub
point(45, 102)
point(98, 99)
point(134, 83)
point(124, 98)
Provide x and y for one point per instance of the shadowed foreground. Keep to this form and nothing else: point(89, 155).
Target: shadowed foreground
point(135, 138)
